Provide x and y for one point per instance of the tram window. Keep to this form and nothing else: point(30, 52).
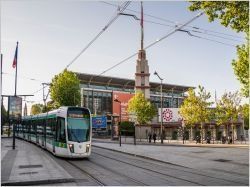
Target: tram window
point(53, 126)
point(35, 125)
point(49, 127)
point(61, 134)
point(29, 124)
point(44, 123)
point(32, 127)
point(38, 127)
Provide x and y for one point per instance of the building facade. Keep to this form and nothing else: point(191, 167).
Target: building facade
point(99, 92)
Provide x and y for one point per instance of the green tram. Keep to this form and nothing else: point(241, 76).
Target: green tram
point(65, 132)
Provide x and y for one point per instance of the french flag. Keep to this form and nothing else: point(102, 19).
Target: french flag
point(15, 58)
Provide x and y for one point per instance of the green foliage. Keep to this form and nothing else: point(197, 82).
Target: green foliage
point(230, 13)
point(227, 109)
point(241, 68)
point(142, 108)
point(65, 90)
point(51, 105)
point(234, 14)
point(127, 128)
point(36, 109)
point(174, 135)
point(127, 125)
point(195, 108)
point(244, 110)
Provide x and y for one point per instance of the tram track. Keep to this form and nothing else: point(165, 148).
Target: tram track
point(98, 181)
point(92, 177)
point(164, 174)
point(116, 172)
point(151, 170)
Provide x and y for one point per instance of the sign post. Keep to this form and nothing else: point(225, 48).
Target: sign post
point(15, 113)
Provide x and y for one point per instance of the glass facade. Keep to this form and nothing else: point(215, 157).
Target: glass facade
point(99, 98)
point(168, 102)
point(99, 102)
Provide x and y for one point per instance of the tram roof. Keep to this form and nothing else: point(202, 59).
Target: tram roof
point(101, 80)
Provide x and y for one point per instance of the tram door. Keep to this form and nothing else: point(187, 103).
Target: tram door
point(60, 130)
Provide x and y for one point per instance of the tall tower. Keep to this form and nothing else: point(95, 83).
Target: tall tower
point(25, 111)
point(142, 69)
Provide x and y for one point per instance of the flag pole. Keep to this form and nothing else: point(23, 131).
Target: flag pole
point(16, 68)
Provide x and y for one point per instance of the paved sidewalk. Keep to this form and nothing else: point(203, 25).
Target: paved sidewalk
point(29, 165)
point(230, 162)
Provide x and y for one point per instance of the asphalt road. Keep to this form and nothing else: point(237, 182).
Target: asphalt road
point(109, 168)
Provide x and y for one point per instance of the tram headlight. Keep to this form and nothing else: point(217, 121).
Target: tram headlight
point(71, 148)
point(87, 147)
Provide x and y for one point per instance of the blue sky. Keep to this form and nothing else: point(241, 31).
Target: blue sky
point(52, 33)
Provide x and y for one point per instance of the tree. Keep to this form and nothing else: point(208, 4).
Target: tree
point(51, 105)
point(227, 110)
point(231, 13)
point(241, 68)
point(244, 110)
point(141, 108)
point(65, 89)
point(234, 14)
point(36, 109)
point(195, 108)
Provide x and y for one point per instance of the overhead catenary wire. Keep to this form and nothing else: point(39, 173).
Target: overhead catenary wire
point(194, 29)
point(121, 9)
point(200, 37)
point(24, 77)
point(190, 34)
point(152, 44)
point(139, 12)
point(174, 22)
point(201, 33)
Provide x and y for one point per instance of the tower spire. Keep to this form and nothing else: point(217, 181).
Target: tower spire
point(142, 34)
point(142, 69)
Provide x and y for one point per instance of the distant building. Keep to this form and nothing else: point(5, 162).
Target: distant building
point(99, 92)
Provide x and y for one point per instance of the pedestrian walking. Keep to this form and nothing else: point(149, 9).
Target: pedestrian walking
point(154, 137)
point(149, 137)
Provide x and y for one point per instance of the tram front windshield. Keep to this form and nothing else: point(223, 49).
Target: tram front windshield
point(78, 126)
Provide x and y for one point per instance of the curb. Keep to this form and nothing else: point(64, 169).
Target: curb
point(141, 156)
point(182, 145)
point(39, 182)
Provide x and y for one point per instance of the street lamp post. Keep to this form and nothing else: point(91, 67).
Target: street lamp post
point(116, 100)
point(155, 73)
